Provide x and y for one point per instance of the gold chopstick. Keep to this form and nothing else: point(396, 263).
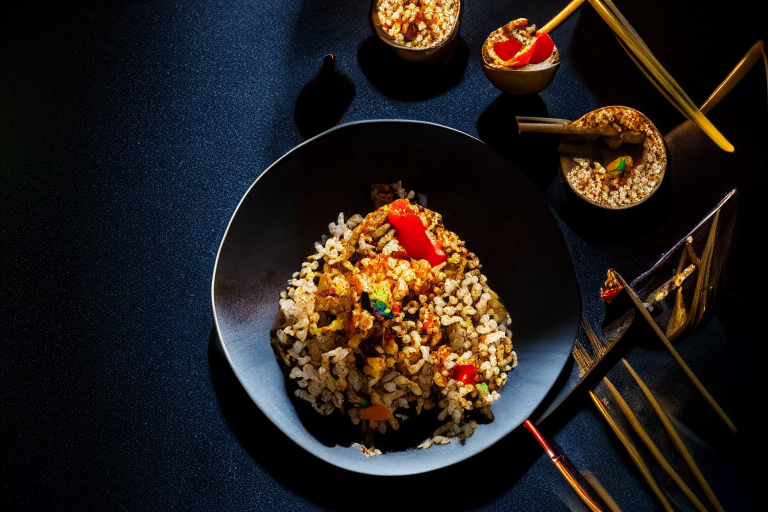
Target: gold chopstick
point(599, 489)
point(741, 69)
point(651, 66)
point(559, 17)
point(633, 453)
point(567, 473)
point(676, 439)
point(648, 442)
point(696, 382)
point(658, 76)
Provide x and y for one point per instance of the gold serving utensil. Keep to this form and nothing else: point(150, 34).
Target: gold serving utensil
point(751, 58)
point(590, 354)
point(584, 359)
point(681, 318)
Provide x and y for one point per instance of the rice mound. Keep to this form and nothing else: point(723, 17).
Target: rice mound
point(367, 330)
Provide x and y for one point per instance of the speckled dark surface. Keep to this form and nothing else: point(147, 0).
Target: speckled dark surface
point(129, 131)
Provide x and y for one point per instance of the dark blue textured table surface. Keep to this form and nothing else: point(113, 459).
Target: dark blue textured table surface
point(129, 131)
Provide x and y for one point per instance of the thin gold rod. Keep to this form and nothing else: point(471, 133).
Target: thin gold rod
point(633, 453)
point(741, 69)
point(648, 442)
point(699, 304)
point(599, 489)
point(676, 439)
point(691, 253)
point(624, 31)
point(655, 83)
point(595, 344)
point(673, 352)
point(561, 16)
point(583, 358)
point(571, 479)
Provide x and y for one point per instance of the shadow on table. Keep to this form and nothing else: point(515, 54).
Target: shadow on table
point(401, 80)
point(599, 225)
point(324, 100)
point(534, 153)
point(511, 457)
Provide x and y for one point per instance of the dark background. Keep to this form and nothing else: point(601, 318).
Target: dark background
point(129, 131)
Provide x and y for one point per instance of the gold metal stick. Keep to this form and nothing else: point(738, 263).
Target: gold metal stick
point(597, 346)
point(699, 303)
point(584, 359)
point(655, 83)
point(648, 442)
point(562, 15)
point(741, 69)
point(676, 439)
point(599, 489)
point(661, 78)
point(696, 382)
point(633, 453)
point(568, 473)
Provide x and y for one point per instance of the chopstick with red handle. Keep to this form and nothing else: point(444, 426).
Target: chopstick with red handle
point(579, 484)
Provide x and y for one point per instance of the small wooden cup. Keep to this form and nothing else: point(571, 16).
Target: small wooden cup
point(438, 54)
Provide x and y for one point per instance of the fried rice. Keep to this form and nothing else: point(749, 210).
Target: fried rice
point(380, 336)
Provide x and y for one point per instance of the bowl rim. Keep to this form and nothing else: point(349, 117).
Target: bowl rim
point(503, 70)
point(525, 71)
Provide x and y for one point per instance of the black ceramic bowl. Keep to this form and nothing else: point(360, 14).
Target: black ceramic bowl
point(438, 54)
point(490, 203)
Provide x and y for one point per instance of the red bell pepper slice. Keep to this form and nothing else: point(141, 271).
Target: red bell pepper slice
point(608, 294)
point(522, 59)
point(464, 373)
point(507, 49)
point(542, 48)
point(412, 234)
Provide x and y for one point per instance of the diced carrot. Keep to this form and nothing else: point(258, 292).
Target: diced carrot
point(375, 413)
